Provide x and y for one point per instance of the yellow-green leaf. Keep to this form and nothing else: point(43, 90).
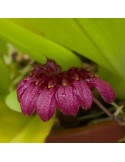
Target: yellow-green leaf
point(34, 131)
point(12, 102)
point(5, 78)
point(101, 40)
point(36, 45)
point(15, 127)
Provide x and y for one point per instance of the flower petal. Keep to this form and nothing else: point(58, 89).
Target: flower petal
point(83, 93)
point(21, 90)
point(46, 104)
point(67, 101)
point(28, 100)
point(104, 89)
point(52, 66)
point(22, 86)
point(22, 83)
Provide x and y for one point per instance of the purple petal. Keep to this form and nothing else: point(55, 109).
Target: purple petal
point(52, 66)
point(104, 89)
point(67, 101)
point(28, 100)
point(22, 83)
point(46, 104)
point(21, 90)
point(22, 87)
point(83, 93)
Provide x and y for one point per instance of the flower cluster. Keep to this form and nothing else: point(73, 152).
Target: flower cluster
point(48, 87)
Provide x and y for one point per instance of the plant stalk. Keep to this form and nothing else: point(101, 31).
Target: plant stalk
point(103, 108)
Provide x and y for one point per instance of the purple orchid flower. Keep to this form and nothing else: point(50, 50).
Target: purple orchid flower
point(48, 87)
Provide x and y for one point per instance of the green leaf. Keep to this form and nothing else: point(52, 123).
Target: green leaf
point(3, 47)
point(5, 78)
point(107, 35)
point(66, 32)
point(34, 131)
point(12, 102)
point(101, 40)
point(11, 123)
point(15, 127)
point(35, 45)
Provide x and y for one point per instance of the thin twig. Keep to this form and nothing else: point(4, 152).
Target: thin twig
point(119, 109)
point(97, 102)
point(95, 115)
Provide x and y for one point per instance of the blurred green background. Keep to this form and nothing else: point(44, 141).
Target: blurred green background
point(63, 40)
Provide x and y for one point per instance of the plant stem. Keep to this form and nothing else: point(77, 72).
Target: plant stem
point(119, 109)
point(95, 115)
point(99, 104)
point(115, 105)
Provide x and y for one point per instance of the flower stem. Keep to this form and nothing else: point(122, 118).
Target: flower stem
point(99, 104)
point(119, 109)
point(115, 105)
point(95, 115)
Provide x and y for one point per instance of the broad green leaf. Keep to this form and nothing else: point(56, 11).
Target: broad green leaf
point(107, 35)
point(3, 47)
point(15, 127)
point(68, 33)
point(34, 131)
point(12, 102)
point(11, 123)
point(101, 40)
point(5, 78)
point(35, 45)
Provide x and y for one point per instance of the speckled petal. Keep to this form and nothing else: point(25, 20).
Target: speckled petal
point(67, 101)
point(82, 91)
point(23, 85)
point(28, 100)
point(21, 90)
point(53, 66)
point(104, 89)
point(46, 104)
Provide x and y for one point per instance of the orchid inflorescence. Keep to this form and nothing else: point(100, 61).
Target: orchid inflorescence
point(48, 87)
